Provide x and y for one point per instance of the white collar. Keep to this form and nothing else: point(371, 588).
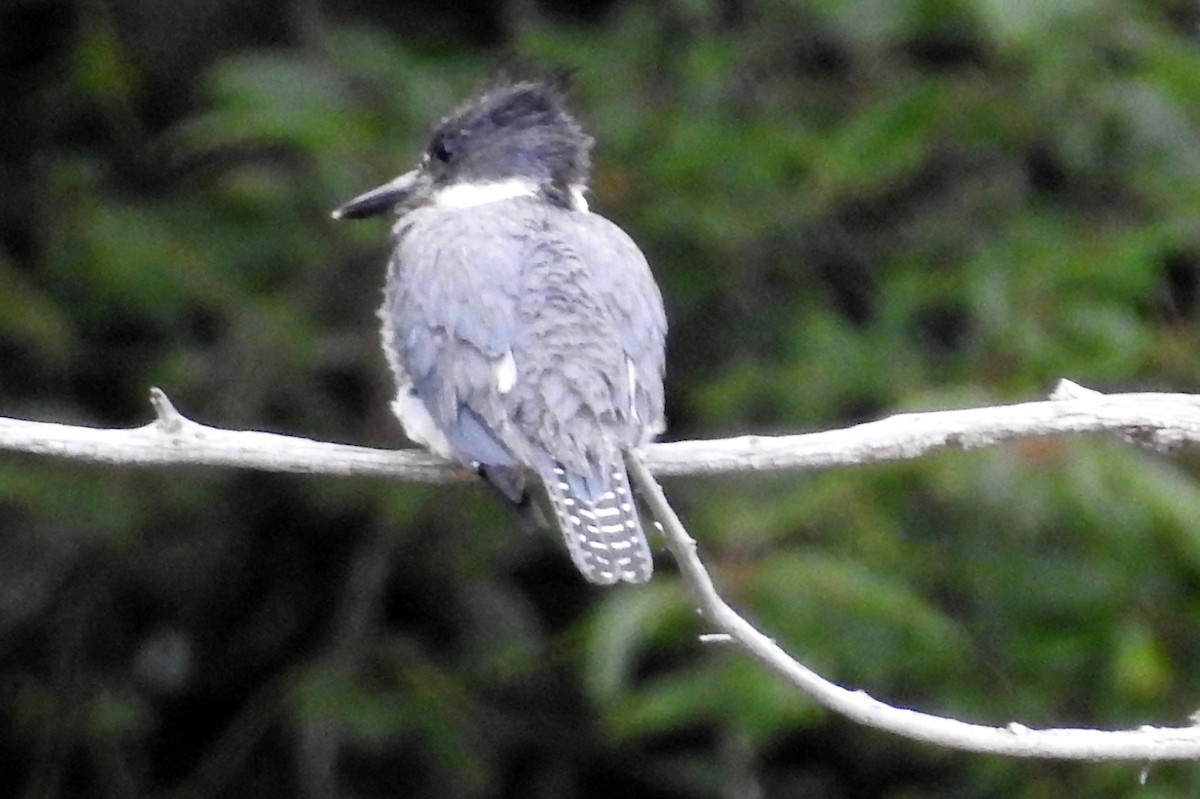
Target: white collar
point(469, 195)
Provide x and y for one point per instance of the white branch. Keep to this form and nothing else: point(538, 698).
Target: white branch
point(174, 439)
point(1146, 744)
point(1163, 421)
point(1160, 420)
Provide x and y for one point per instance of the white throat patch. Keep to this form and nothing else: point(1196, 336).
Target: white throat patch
point(469, 195)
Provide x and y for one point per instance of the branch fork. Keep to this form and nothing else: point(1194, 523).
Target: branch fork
point(1161, 421)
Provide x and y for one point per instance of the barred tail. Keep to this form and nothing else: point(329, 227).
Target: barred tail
point(600, 525)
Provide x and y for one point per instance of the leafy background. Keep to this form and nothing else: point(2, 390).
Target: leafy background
point(854, 207)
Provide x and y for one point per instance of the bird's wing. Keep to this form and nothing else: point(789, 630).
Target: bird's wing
point(531, 336)
point(535, 339)
point(633, 298)
point(450, 307)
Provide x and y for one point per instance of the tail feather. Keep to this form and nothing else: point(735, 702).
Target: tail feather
point(600, 525)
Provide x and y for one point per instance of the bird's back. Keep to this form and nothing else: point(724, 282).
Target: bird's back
point(534, 337)
point(544, 322)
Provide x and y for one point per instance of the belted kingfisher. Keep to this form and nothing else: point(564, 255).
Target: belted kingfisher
point(526, 333)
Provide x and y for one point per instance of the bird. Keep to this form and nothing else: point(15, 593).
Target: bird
point(526, 333)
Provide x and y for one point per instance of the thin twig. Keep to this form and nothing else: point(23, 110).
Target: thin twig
point(1146, 744)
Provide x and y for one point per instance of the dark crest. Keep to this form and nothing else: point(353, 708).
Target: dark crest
point(515, 128)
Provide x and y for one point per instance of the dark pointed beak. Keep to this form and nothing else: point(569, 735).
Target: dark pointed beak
point(409, 186)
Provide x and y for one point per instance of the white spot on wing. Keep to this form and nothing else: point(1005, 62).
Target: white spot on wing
point(506, 373)
point(578, 201)
point(631, 378)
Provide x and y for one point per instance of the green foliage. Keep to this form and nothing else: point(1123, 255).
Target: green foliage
point(854, 207)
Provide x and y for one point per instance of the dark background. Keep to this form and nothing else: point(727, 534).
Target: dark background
point(854, 207)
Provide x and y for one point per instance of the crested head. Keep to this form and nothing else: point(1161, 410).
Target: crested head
point(511, 139)
point(512, 131)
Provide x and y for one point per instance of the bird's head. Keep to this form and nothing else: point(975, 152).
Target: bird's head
point(511, 139)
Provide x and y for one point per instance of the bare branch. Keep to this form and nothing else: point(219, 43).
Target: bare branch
point(174, 439)
point(1146, 744)
point(1163, 421)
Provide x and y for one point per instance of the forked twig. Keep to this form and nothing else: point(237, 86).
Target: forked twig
point(1146, 744)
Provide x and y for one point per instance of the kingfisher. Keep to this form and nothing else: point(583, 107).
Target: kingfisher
point(525, 332)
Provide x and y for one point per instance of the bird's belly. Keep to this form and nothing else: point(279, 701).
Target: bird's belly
point(418, 424)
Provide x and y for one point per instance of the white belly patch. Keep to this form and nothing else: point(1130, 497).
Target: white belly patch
point(418, 424)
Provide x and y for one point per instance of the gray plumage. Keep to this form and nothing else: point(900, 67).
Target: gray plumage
point(526, 334)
